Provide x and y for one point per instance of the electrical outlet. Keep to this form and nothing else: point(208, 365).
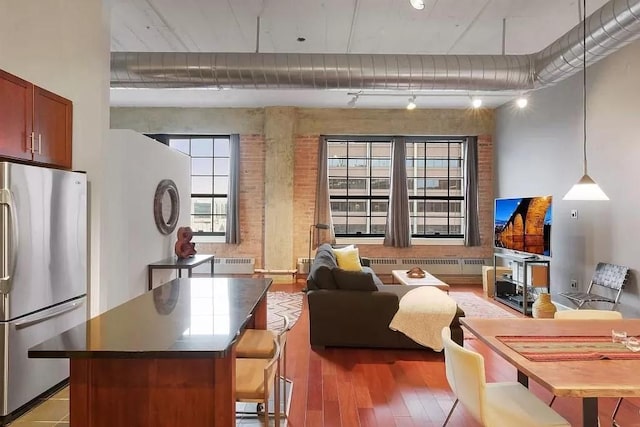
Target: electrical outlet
point(574, 284)
point(574, 213)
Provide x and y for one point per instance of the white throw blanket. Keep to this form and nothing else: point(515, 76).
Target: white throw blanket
point(422, 314)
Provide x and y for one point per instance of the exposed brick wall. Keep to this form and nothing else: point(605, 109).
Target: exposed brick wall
point(252, 160)
point(305, 174)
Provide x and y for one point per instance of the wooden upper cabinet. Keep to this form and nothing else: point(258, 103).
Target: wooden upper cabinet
point(52, 128)
point(35, 124)
point(16, 117)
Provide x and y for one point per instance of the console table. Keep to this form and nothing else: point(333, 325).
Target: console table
point(174, 263)
point(163, 359)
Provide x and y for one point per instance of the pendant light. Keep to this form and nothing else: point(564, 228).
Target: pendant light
point(417, 4)
point(586, 188)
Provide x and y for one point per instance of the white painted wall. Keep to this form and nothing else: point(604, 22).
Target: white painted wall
point(136, 165)
point(539, 152)
point(63, 46)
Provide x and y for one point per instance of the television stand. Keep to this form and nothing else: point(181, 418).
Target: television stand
point(516, 290)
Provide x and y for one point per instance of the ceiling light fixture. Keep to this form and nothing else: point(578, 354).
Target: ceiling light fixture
point(586, 188)
point(412, 103)
point(476, 102)
point(352, 101)
point(522, 102)
point(417, 4)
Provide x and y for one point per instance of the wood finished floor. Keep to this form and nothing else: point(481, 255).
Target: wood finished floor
point(350, 388)
point(356, 387)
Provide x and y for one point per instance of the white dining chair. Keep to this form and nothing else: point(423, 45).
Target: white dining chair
point(492, 404)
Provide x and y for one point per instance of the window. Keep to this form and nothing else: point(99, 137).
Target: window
point(359, 170)
point(210, 162)
point(435, 182)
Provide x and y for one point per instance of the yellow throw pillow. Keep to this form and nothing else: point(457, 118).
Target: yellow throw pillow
point(348, 258)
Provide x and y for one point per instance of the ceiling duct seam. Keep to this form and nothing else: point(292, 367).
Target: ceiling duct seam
point(611, 27)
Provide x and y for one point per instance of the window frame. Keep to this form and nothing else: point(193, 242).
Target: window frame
point(165, 138)
point(448, 198)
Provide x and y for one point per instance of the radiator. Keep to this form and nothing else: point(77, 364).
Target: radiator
point(234, 265)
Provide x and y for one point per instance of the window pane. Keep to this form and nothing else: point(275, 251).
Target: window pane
point(180, 145)
point(221, 166)
point(201, 223)
point(201, 167)
point(221, 185)
point(221, 147)
point(378, 228)
point(201, 206)
point(379, 207)
point(219, 205)
point(202, 147)
point(201, 184)
point(337, 184)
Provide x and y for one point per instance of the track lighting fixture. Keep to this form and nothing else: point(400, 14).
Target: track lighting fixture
point(476, 102)
point(522, 102)
point(417, 4)
point(412, 103)
point(352, 101)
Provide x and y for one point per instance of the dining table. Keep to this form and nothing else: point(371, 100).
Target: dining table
point(578, 373)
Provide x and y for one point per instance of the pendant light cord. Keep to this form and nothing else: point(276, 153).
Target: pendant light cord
point(584, 83)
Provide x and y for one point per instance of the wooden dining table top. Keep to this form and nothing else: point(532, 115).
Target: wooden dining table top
point(582, 378)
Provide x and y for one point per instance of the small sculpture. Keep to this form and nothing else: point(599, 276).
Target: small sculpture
point(184, 248)
point(416, 273)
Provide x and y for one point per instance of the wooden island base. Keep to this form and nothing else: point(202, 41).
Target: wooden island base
point(152, 392)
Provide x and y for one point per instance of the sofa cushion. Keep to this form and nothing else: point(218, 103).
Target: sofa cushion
point(354, 280)
point(376, 279)
point(320, 276)
point(348, 258)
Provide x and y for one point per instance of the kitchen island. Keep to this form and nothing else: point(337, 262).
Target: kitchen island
point(165, 358)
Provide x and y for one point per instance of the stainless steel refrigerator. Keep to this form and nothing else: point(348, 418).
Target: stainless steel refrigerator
point(43, 274)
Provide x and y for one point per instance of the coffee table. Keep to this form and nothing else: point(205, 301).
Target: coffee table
point(427, 280)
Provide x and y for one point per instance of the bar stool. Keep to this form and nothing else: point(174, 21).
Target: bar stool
point(259, 344)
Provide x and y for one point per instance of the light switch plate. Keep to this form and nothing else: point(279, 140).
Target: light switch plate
point(574, 213)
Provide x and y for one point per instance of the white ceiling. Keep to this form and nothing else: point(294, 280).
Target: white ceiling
point(332, 26)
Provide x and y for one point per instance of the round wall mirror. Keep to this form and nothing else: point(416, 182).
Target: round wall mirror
point(166, 206)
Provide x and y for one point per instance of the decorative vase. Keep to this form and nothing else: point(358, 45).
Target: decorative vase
point(543, 308)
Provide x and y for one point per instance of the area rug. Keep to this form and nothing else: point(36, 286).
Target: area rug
point(475, 306)
point(283, 304)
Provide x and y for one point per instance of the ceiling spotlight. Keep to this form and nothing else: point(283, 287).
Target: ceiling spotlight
point(476, 102)
point(412, 103)
point(417, 4)
point(522, 102)
point(352, 101)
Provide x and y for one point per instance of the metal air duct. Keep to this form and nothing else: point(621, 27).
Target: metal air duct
point(612, 26)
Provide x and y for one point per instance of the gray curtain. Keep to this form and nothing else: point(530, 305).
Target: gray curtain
point(322, 212)
point(233, 206)
point(472, 227)
point(398, 230)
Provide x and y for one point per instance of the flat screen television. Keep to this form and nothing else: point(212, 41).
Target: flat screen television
point(523, 225)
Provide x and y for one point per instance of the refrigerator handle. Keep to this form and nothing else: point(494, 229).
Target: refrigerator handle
point(48, 314)
point(10, 244)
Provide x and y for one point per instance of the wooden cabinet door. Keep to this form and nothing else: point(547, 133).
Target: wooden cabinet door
point(52, 126)
point(16, 117)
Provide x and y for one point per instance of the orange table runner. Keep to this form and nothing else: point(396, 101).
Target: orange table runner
point(554, 349)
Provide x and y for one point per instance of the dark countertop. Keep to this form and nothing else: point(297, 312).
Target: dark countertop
point(196, 317)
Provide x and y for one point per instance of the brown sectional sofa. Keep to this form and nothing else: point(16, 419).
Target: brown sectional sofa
point(341, 316)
